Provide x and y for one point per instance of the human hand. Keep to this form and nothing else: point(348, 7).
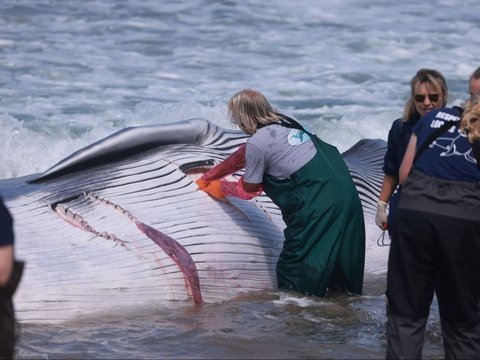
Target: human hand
point(381, 216)
point(212, 188)
point(202, 184)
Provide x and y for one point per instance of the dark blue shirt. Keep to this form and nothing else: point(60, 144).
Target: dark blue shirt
point(450, 156)
point(398, 138)
point(6, 226)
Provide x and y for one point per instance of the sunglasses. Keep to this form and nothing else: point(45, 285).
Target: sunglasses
point(421, 98)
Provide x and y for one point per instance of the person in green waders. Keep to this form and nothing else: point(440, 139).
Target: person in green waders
point(308, 180)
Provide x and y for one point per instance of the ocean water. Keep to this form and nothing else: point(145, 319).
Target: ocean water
point(73, 72)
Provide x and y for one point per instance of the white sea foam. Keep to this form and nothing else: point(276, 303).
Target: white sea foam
point(74, 72)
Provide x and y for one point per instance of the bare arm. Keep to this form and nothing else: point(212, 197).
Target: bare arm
point(251, 187)
point(408, 158)
point(6, 263)
point(388, 186)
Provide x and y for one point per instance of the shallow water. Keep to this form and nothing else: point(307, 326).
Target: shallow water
point(72, 72)
point(270, 325)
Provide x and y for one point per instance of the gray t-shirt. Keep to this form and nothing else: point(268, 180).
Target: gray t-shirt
point(277, 151)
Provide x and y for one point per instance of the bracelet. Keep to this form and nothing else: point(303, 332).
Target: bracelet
point(383, 203)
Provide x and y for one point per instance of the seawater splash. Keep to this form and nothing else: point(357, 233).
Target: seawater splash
point(72, 73)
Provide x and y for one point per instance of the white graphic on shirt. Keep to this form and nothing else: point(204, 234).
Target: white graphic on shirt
point(450, 148)
point(297, 137)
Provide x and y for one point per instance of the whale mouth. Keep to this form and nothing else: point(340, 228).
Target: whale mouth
point(196, 167)
point(69, 209)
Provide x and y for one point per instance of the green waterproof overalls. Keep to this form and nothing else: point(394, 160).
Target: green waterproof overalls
point(325, 235)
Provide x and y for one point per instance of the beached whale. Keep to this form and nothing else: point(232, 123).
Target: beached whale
point(121, 223)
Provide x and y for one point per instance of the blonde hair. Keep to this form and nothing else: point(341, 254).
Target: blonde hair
point(250, 110)
point(425, 76)
point(470, 123)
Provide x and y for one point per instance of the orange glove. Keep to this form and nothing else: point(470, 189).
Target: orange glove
point(202, 184)
point(212, 188)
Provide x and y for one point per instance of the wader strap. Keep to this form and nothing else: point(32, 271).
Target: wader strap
point(288, 122)
point(291, 123)
point(447, 125)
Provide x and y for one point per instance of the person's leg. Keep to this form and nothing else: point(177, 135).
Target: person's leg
point(461, 342)
point(410, 284)
point(349, 268)
point(458, 287)
point(405, 337)
point(7, 327)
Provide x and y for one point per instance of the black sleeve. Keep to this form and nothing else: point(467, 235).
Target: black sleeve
point(391, 165)
point(476, 152)
point(6, 226)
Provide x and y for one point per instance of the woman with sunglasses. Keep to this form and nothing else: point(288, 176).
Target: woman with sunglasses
point(428, 91)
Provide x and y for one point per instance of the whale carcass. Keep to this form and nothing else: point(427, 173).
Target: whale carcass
point(122, 223)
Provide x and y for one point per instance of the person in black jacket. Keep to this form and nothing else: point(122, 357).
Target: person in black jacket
point(436, 245)
point(10, 273)
point(428, 91)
